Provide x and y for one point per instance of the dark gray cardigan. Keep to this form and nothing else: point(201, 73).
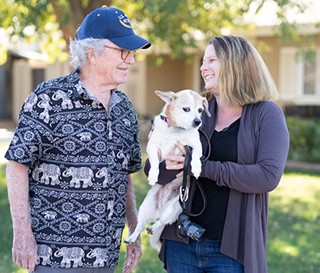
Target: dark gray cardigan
point(263, 144)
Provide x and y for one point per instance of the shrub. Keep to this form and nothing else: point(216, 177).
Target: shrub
point(304, 139)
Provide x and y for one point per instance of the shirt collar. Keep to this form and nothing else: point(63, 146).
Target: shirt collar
point(80, 92)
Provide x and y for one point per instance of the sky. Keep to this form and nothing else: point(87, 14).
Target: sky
point(267, 15)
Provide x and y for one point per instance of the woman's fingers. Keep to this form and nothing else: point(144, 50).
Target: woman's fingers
point(175, 158)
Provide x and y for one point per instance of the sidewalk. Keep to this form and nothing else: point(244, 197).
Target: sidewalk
point(303, 165)
point(5, 138)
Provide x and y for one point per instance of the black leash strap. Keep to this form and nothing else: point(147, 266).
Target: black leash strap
point(184, 189)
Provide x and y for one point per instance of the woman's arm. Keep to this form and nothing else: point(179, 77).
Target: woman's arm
point(267, 150)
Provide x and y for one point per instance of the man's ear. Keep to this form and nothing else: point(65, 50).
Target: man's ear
point(91, 55)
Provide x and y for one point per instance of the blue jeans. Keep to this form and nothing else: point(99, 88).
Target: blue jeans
point(199, 257)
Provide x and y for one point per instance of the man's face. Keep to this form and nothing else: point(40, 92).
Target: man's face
point(112, 65)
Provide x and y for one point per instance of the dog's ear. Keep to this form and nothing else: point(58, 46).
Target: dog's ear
point(206, 107)
point(166, 96)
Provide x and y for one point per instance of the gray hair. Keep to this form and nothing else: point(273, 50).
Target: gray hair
point(79, 49)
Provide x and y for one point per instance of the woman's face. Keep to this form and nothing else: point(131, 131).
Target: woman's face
point(210, 70)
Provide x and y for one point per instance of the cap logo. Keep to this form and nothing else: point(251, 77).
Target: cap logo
point(124, 20)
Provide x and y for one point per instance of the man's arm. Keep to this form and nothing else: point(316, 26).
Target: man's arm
point(134, 252)
point(24, 248)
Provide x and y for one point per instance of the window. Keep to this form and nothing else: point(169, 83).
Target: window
point(300, 76)
point(309, 75)
point(37, 76)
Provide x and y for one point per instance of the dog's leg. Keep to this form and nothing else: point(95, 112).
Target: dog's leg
point(169, 215)
point(146, 213)
point(154, 166)
point(196, 160)
point(154, 239)
point(196, 167)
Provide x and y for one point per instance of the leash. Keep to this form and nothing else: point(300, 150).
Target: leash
point(184, 189)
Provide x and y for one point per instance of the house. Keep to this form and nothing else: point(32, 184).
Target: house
point(295, 67)
point(296, 76)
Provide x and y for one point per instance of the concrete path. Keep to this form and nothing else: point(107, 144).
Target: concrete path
point(5, 138)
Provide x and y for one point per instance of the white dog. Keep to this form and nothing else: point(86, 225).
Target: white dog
point(178, 121)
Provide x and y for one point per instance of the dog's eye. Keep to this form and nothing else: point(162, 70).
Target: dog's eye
point(186, 109)
point(200, 110)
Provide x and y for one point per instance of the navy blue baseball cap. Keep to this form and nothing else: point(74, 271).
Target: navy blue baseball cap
point(112, 24)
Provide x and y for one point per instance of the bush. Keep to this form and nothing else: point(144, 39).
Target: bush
point(304, 139)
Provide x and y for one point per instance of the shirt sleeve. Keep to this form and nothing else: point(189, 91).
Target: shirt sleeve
point(31, 133)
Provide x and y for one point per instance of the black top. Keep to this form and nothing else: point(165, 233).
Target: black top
point(223, 148)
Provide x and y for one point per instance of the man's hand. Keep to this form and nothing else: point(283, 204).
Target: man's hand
point(133, 255)
point(24, 249)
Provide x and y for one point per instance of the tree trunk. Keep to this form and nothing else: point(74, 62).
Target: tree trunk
point(71, 16)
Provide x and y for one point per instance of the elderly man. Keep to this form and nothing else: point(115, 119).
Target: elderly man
point(72, 154)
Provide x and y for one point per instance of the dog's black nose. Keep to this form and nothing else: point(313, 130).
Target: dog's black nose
point(196, 122)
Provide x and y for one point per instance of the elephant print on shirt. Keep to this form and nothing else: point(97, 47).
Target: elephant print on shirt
point(50, 174)
point(30, 102)
point(66, 102)
point(101, 255)
point(50, 215)
point(84, 174)
point(44, 103)
point(85, 136)
point(82, 217)
point(103, 172)
point(44, 252)
point(70, 254)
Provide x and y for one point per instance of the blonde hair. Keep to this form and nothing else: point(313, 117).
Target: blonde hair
point(244, 77)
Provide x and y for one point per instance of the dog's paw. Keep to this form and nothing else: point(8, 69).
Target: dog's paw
point(152, 178)
point(196, 169)
point(150, 230)
point(196, 174)
point(129, 240)
point(151, 183)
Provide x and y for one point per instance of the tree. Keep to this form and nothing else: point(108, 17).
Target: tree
point(177, 26)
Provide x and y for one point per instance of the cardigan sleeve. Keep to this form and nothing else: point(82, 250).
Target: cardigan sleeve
point(263, 144)
point(165, 176)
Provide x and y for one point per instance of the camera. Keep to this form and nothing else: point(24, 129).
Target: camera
point(188, 228)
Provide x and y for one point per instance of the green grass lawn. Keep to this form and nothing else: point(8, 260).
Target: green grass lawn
point(294, 215)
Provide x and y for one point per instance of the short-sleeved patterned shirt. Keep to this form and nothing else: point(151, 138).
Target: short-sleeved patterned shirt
point(79, 157)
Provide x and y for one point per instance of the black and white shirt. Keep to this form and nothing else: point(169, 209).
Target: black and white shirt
point(79, 157)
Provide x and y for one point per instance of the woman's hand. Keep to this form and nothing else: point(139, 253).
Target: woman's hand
point(175, 158)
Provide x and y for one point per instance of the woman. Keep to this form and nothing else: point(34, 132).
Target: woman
point(249, 145)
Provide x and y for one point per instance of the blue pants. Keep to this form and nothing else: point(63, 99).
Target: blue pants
point(199, 257)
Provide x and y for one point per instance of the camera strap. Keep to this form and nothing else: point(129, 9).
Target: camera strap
point(184, 189)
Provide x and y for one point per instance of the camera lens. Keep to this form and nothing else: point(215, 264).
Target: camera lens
point(187, 228)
